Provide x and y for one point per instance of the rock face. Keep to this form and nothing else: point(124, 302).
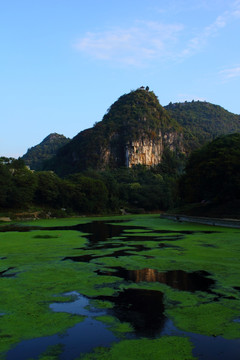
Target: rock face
point(135, 130)
point(144, 152)
point(149, 152)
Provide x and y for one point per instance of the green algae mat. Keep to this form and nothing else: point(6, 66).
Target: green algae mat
point(129, 287)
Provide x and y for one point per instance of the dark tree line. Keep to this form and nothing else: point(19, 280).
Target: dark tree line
point(211, 173)
point(91, 191)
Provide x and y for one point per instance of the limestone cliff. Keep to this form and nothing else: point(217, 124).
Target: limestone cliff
point(149, 151)
point(135, 130)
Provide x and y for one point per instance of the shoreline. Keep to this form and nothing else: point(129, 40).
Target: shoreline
point(203, 220)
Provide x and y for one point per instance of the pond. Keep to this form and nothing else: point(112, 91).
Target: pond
point(129, 287)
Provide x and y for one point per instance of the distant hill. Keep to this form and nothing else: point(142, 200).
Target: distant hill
point(36, 155)
point(135, 130)
point(203, 121)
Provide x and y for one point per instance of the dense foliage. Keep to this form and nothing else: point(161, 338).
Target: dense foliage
point(94, 178)
point(137, 115)
point(92, 191)
point(212, 175)
point(202, 121)
point(134, 116)
point(213, 172)
point(36, 155)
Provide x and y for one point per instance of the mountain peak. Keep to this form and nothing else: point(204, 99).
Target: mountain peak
point(135, 130)
point(36, 155)
point(52, 137)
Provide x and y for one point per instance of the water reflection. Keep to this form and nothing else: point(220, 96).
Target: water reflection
point(143, 309)
point(81, 338)
point(87, 258)
point(97, 230)
point(177, 279)
point(102, 230)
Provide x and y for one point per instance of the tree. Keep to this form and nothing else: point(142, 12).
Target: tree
point(47, 192)
point(24, 184)
point(213, 172)
point(95, 191)
point(5, 185)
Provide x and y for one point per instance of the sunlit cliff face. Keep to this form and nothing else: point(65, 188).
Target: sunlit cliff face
point(177, 279)
point(143, 151)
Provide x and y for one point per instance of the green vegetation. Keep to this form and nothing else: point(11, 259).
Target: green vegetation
point(209, 179)
point(132, 117)
point(25, 297)
point(202, 121)
point(213, 172)
point(40, 275)
point(91, 176)
point(90, 192)
point(33, 274)
point(36, 155)
point(18, 184)
point(138, 115)
point(52, 353)
point(167, 348)
point(116, 326)
point(37, 277)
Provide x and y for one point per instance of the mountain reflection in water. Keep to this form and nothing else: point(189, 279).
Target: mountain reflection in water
point(143, 309)
point(177, 279)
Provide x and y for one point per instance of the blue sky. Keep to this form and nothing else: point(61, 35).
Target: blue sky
point(64, 62)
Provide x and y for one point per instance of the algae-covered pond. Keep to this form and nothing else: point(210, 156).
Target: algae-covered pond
point(129, 287)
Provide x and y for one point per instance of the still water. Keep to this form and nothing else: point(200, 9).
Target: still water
point(143, 309)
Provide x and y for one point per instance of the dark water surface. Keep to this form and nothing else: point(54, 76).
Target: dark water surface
point(177, 279)
point(143, 309)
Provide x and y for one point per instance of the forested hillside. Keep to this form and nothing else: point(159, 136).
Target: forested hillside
point(203, 121)
point(135, 130)
point(140, 157)
point(36, 155)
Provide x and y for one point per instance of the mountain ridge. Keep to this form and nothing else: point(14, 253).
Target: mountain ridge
point(203, 121)
point(136, 129)
point(43, 151)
